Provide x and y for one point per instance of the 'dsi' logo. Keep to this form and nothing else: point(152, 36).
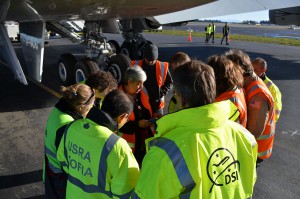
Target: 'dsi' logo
point(222, 168)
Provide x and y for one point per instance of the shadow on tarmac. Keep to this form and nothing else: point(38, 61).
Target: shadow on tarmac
point(9, 181)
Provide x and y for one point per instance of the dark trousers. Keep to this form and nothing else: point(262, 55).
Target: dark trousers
point(226, 35)
point(212, 35)
point(55, 184)
point(207, 38)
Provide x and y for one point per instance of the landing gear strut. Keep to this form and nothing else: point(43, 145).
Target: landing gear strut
point(100, 55)
point(134, 45)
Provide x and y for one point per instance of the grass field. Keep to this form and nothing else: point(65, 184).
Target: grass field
point(250, 38)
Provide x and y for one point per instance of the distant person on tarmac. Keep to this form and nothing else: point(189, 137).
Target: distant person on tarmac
point(208, 30)
point(212, 34)
point(260, 68)
point(225, 33)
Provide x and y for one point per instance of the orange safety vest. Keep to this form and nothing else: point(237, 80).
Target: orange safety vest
point(266, 140)
point(130, 138)
point(161, 74)
point(237, 97)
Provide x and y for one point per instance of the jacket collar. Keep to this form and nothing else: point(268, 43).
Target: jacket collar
point(65, 107)
point(101, 118)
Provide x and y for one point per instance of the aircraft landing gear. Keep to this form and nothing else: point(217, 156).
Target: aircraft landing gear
point(84, 68)
point(134, 45)
point(118, 65)
point(66, 65)
point(100, 55)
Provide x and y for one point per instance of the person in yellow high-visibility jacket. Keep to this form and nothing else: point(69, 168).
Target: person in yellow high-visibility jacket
point(260, 68)
point(176, 60)
point(198, 152)
point(208, 30)
point(76, 102)
point(99, 163)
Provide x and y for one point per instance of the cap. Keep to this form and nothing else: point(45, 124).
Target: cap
point(151, 52)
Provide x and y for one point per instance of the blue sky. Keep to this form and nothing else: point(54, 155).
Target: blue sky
point(254, 16)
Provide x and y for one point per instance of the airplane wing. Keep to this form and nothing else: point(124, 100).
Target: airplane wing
point(224, 7)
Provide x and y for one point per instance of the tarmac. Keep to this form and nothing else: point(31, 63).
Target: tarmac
point(24, 111)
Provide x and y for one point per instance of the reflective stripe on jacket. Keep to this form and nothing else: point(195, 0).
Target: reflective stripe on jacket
point(238, 98)
point(276, 94)
point(56, 120)
point(161, 74)
point(214, 158)
point(99, 163)
point(130, 138)
point(265, 141)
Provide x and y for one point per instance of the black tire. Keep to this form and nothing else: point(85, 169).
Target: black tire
point(66, 65)
point(84, 68)
point(142, 47)
point(115, 46)
point(118, 65)
point(127, 49)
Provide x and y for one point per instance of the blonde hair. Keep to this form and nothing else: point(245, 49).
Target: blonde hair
point(79, 96)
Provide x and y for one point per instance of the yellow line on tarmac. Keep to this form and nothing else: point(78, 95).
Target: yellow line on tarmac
point(49, 90)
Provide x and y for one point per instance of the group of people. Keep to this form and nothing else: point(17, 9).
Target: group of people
point(210, 33)
point(220, 125)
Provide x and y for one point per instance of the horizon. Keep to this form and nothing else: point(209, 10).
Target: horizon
point(250, 16)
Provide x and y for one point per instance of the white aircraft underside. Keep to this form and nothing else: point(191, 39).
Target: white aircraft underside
point(130, 17)
point(21, 10)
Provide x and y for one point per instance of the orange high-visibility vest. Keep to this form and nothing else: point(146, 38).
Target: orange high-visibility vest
point(161, 74)
point(237, 97)
point(130, 138)
point(265, 141)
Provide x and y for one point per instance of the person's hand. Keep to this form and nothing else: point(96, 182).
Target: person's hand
point(144, 123)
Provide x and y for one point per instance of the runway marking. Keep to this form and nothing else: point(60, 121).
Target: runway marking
point(49, 90)
point(290, 132)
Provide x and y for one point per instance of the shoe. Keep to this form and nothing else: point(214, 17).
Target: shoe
point(227, 44)
point(212, 42)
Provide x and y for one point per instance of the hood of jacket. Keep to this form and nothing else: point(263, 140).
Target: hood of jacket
point(208, 116)
point(102, 118)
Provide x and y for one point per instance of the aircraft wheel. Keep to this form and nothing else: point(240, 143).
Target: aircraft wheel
point(66, 65)
point(126, 48)
point(118, 65)
point(115, 46)
point(142, 47)
point(84, 68)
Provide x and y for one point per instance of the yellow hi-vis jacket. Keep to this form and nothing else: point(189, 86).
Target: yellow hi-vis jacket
point(208, 29)
point(199, 153)
point(99, 163)
point(276, 94)
point(56, 120)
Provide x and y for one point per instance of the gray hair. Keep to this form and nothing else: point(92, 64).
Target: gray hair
point(134, 73)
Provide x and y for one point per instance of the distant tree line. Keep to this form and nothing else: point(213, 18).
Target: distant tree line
point(243, 22)
point(256, 22)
